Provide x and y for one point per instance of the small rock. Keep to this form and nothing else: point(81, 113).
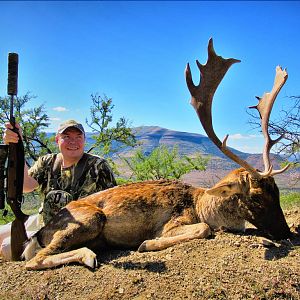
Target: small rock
point(168, 257)
point(137, 280)
point(237, 244)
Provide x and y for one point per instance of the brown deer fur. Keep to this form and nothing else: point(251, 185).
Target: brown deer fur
point(153, 215)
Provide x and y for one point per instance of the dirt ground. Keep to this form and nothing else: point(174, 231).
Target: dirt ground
point(226, 266)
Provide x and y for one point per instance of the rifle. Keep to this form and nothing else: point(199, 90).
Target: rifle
point(15, 168)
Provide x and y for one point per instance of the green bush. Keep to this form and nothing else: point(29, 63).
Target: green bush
point(290, 200)
point(163, 163)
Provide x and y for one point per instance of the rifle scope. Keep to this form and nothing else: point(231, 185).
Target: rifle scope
point(12, 84)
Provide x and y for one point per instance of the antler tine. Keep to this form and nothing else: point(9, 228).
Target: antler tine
point(211, 75)
point(264, 108)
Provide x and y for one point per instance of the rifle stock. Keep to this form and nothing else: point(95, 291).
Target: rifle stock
point(15, 168)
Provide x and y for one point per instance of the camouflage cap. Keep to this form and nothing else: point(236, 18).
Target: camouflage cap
point(68, 124)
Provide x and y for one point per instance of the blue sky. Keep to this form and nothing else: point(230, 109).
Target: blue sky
point(136, 53)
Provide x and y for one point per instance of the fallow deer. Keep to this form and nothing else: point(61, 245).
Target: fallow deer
point(155, 215)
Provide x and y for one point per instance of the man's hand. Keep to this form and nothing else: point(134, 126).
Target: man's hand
point(10, 136)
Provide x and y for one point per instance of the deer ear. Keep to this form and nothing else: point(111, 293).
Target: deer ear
point(224, 189)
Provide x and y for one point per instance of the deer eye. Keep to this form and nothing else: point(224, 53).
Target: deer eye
point(255, 183)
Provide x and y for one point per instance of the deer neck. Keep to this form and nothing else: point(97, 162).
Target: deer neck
point(219, 212)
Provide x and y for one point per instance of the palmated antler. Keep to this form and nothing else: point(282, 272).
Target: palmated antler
point(264, 108)
point(211, 75)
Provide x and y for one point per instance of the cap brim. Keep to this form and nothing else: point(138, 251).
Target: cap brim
point(78, 127)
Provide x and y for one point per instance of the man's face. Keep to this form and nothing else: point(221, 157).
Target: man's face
point(71, 143)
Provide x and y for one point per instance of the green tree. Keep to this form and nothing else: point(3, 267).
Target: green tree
point(33, 121)
point(108, 139)
point(163, 163)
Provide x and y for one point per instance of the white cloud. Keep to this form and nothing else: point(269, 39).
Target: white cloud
point(250, 149)
point(59, 108)
point(55, 119)
point(238, 136)
point(249, 143)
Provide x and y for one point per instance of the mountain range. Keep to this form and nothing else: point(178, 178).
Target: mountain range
point(190, 144)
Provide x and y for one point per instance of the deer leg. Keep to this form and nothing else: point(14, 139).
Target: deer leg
point(73, 226)
point(175, 236)
point(83, 256)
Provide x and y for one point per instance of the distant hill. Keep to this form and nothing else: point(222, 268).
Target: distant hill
point(150, 137)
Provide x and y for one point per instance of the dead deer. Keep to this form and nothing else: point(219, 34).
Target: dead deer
point(155, 215)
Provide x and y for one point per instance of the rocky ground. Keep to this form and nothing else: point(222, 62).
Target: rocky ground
point(226, 266)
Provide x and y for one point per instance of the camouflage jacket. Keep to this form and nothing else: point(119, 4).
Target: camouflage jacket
point(58, 186)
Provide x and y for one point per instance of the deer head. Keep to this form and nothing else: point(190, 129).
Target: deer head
point(257, 191)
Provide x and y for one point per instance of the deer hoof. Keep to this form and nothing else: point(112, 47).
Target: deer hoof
point(91, 262)
point(90, 259)
point(31, 265)
point(143, 247)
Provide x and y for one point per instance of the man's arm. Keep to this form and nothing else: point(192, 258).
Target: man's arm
point(30, 183)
